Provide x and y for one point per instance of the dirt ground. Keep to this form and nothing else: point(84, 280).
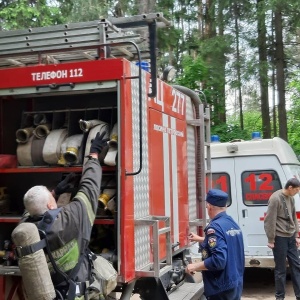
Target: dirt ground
point(259, 284)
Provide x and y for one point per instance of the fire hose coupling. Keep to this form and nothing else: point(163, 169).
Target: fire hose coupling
point(108, 193)
point(39, 119)
point(104, 198)
point(23, 135)
point(85, 126)
point(71, 150)
point(71, 155)
point(41, 131)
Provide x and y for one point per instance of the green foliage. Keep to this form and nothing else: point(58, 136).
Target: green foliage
point(203, 50)
point(231, 130)
point(168, 37)
point(83, 10)
point(22, 14)
point(293, 115)
point(293, 120)
point(194, 71)
point(217, 45)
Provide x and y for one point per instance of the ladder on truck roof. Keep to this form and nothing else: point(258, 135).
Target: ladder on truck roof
point(133, 38)
point(92, 40)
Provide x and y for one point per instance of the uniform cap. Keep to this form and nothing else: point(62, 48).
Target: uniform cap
point(217, 197)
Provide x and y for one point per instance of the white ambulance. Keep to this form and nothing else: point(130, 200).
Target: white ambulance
point(250, 171)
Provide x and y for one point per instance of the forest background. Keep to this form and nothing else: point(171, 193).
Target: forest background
point(241, 56)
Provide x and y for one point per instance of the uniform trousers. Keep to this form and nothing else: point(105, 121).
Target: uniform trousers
point(232, 294)
point(285, 247)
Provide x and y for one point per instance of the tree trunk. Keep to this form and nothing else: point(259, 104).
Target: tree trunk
point(263, 69)
point(146, 6)
point(280, 74)
point(200, 18)
point(209, 29)
point(273, 81)
point(222, 60)
point(210, 32)
point(238, 60)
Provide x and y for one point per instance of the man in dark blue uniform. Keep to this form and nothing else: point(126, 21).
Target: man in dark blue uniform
point(222, 251)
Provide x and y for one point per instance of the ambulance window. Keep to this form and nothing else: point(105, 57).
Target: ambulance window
point(258, 186)
point(222, 181)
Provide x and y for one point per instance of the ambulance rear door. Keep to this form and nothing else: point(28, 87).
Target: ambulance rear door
point(249, 181)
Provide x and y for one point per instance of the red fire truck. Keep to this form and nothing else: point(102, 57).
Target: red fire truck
point(63, 81)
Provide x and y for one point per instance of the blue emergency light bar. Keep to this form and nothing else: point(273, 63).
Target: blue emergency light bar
point(215, 139)
point(256, 135)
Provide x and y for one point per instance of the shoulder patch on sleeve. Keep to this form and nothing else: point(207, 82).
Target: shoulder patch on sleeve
point(210, 231)
point(212, 242)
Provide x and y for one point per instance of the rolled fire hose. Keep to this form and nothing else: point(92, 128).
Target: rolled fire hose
point(34, 269)
point(51, 149)
point(73, 152)
point(111, 205)
point(37, 151)
point(63, 148)
point(24, 153)
point(23, 134)
point(113, 141)
point(42, 130)
point(110, 158)
point(85, 126)
point(31, 153)
point(98, 128)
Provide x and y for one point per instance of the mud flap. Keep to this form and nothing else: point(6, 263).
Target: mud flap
point(189, 278)
point(188, 291)
point(151, 288)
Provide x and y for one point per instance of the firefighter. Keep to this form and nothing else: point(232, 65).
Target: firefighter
point(68, 229)
point(222, 251)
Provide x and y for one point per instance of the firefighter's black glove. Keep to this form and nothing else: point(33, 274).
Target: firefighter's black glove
point(98, 143)
point(66, 185)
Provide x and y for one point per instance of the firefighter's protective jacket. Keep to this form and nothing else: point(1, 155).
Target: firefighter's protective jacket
point(70, 233)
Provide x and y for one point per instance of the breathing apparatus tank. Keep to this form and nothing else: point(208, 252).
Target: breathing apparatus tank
point(34, 269)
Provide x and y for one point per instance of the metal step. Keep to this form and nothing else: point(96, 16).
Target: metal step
point(156, 268)
point(188, 291)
